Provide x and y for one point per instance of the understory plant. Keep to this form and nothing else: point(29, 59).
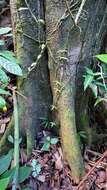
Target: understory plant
point(97, 80)
point(10, 65)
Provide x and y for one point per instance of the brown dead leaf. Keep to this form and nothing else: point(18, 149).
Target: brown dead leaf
point(58, 161)
point(4, 121)
point(2, 128)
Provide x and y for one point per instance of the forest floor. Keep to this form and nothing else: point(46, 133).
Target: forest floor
point(53, 173)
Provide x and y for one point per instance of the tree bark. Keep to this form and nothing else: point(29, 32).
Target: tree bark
point(63, 49)
point(28, 36)
point(70, 49)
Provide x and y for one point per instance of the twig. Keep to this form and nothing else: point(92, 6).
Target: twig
point(72, 17)
point(79, 12)
point(11, 88)
point(91, 170)
point(33, 16)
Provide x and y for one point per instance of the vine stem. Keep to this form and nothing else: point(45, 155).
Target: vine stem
point(79, 11)
point(16, 142)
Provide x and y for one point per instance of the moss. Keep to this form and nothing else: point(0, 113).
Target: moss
point(69, 135)
point(86, 128)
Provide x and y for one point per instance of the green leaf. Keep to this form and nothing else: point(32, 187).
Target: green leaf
point(5, 92)
point(10, 139)
point(54, 140)
point(4, 183)
point(94, 89)
point(46, 146)
point(3, 77)
point(2, 102)
point(36, 170)
point(82, 134)
point(88, 80)
point(9, 173)
point(2, 42)
point(24, 173)
point(33, 163)
point(48, 139)
point(102, 57)
point(5, 30)
point(89, 71)
point(9, 55)
point(10, 67)
point(99, 100)
point(5, 162)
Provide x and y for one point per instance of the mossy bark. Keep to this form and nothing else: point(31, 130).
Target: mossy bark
point(28, 36)
point(93, 32)
point(70, 49)
point(63, 43)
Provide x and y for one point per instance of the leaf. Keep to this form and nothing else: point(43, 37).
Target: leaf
point(9, 173)
point(3, 77)
point(48, 139)
point(82, 134)
point(5, 30)
point(2, 42)
point(94, 89)
point(4, 183)
point(10, 67)
point(2, 102)
point(24, 173)
point(89, 71)
point(10, 139)
point(88, 80)
point(102, 57)
point(99, 100)
point(33, 163)
point(37, 170)
point(5, 162)
point(9, 55)
point(54, 140)
point(46, 146)
point(2, 128)
point(5, 92)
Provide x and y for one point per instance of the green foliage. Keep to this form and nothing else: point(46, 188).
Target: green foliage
point(102, 57)
point(47, 123)
point(36, 168)
point(5, 162)
point(2, 102)
point(5, 30)
point(24, 173)
point(96, 81)
point(8, 64)
point(49, 141)
point(3, 77)
point(7, 175)
point(4, 183)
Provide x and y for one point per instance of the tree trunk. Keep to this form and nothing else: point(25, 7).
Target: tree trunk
point(70, 48)
point(93, 32)
point(63, 49)
point(28, 37)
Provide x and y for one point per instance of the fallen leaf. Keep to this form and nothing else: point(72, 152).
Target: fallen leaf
point(2, 128)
